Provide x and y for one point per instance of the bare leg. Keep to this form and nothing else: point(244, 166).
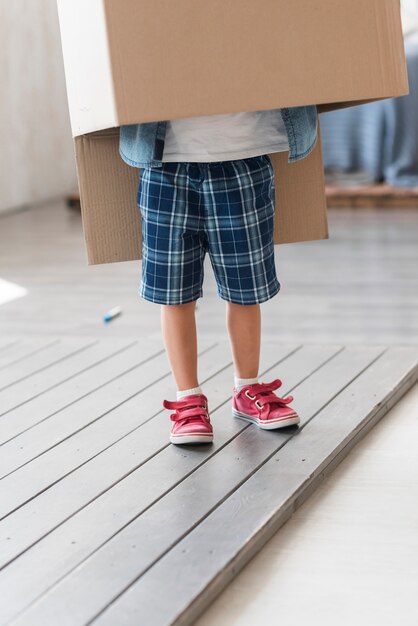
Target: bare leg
point(178, 324)
point(244, 329)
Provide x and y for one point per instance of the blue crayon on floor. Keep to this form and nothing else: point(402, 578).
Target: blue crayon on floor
point(110, 315)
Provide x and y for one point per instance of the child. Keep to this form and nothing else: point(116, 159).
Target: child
point(207, 185)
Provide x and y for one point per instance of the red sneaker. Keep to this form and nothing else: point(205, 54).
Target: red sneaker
point(191, 420)
point(258, 404)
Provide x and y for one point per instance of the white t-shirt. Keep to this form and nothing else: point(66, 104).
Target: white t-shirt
point(225, 137)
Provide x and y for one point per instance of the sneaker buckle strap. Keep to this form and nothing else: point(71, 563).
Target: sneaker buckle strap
point(196, 412)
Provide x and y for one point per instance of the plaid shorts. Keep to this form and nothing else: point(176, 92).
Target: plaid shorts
point(225, 208)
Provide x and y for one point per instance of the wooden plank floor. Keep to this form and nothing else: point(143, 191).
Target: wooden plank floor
point(359, 286)
point(98, 511)
point(104, 521)
point(368, 196)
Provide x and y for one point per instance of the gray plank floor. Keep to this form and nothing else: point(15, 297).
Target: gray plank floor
point(359, 286)
point(99, 512)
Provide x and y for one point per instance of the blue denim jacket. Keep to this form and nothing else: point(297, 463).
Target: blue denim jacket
point(142, 145)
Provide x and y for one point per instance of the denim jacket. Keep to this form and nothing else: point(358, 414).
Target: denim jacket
point(142, 145)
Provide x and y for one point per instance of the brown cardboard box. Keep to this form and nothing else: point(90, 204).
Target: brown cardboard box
point(132, 61)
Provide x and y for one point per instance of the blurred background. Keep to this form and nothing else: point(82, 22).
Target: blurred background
point(36, 155)
point(361, 283)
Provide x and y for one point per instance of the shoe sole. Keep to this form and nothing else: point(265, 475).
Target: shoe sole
point(178, 439)
point(271, 425)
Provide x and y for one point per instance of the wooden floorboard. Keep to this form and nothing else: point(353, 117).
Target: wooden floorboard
point(18, 351)
point(141, 434)
point(72, 436)
point(53, 356)
point(379, 196)
point(358, 286)
point(100, 509)
point(213, 552)
point(8, 344)
point(36, 426)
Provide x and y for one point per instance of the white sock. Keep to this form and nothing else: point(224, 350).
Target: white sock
point(241, 382)
point(188, 392)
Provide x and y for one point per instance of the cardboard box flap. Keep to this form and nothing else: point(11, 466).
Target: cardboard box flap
point(111, 221)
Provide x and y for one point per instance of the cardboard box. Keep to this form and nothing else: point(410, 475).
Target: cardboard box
point(132, 61)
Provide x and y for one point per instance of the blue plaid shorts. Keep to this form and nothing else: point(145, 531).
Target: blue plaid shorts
point(225, 208)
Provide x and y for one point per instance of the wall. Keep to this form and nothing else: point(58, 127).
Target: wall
point(36, 150)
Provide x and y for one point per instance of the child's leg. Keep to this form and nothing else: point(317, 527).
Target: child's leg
point(244, 329)
point(178, 325)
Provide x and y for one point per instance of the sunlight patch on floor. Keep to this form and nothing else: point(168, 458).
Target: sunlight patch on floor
point(11, 291)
